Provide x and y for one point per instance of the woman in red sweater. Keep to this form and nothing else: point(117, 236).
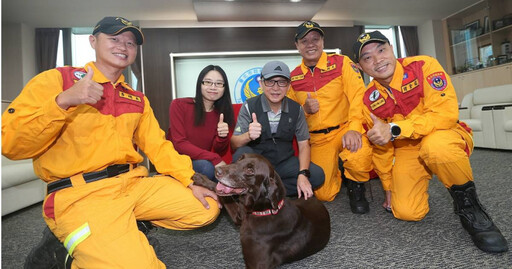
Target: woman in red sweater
point(199, 126)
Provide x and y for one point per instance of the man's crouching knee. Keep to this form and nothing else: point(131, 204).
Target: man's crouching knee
point(208, 216)
point(409, 214)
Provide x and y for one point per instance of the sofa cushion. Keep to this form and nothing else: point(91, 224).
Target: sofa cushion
point(493, 95)
point(16, 172)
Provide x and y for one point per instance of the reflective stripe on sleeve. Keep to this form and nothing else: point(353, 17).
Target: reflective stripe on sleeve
point(76, 237)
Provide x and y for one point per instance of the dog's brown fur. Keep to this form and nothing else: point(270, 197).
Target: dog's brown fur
point(299, 229)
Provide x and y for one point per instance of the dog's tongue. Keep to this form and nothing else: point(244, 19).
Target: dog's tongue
point(223, 188)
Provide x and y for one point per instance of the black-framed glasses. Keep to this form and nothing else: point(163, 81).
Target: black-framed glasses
point(280, 83)
point(217, 84)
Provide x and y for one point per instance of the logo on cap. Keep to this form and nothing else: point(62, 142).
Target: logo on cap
point(125, 22)
point(364, 38)
point(309, 24)
point(278, 68)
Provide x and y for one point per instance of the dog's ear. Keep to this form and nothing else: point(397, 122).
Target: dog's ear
point(274, 188)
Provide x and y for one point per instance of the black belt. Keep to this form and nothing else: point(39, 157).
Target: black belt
point(110, 171)
point(326, 130)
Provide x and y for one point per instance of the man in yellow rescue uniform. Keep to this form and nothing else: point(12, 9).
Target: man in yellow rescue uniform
point(79, 125)
point(412, 110)
point(330, 89)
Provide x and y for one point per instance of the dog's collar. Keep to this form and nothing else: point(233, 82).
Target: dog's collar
point(269, 212)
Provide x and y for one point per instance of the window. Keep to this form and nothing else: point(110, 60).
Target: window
point(390, 33)
point(60, 51)
point(81, 51)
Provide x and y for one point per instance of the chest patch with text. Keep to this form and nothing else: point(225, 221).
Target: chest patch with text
point(380, 102)
point(129, 96)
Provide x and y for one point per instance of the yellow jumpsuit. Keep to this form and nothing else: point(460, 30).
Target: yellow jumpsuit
point(422, 101)
point(337, 85)
point(97, 221)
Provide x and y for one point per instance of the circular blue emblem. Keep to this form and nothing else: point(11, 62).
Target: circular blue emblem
point(438, 83)
point(247, 85)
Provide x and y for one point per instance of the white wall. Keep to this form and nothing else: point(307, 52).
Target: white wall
point(18, 58)
point(430, 35)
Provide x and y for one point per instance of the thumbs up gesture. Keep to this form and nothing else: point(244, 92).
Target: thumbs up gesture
point(254, 128)
point(380, 133)
point(222, 127)
point(85, 91)
point(311, 106)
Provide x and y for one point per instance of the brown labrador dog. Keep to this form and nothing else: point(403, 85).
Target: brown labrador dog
point(274, 230)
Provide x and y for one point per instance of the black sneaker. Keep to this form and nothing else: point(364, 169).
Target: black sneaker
point(63, 259)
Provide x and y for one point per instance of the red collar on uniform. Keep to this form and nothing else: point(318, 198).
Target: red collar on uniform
point(269, 212)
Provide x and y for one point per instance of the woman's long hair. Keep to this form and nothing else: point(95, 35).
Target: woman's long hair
point(223, 105)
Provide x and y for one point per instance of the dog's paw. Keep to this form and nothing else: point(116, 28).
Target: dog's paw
point(203, 181)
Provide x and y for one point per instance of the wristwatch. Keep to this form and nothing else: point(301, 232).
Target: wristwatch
point(395, 131)
point(305, 172)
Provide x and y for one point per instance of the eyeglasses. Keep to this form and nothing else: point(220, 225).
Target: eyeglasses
point(210, 83)
point(280, 83)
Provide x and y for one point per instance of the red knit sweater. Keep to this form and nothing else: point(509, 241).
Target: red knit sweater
point(199, 142)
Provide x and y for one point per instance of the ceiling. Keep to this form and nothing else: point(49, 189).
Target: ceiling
point(208, 13)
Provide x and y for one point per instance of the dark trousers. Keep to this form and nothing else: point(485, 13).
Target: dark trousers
point(288, 170)
point(205, 167)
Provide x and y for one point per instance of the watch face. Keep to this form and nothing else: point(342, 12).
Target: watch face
point(395, 130)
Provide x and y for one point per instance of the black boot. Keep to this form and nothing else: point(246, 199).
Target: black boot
point(356, 195)
point(64, 260)
point(145, 227)
point(475, 220)
point(45, 254)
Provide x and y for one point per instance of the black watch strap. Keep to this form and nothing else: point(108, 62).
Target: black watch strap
point(305, 172)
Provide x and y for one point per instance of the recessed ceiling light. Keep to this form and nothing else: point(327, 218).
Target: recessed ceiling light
point(295, 1)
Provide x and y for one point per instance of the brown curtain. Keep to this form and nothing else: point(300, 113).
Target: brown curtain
point(411, 42)
point(66, 44)
point(136, 69)
point(47, 41)
point(347, 36)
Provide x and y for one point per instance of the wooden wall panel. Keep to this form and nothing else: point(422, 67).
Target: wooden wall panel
point(160, 42)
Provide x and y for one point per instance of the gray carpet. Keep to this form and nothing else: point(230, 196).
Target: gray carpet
point(374, 240)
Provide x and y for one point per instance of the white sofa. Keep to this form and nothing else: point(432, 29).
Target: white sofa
point(488, 111)
point(20, 186)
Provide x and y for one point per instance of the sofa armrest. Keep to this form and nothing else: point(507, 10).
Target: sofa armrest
point(502, 116)
point(487, 108)
point(487, 121)
point(501, 107)
point(464, 113)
